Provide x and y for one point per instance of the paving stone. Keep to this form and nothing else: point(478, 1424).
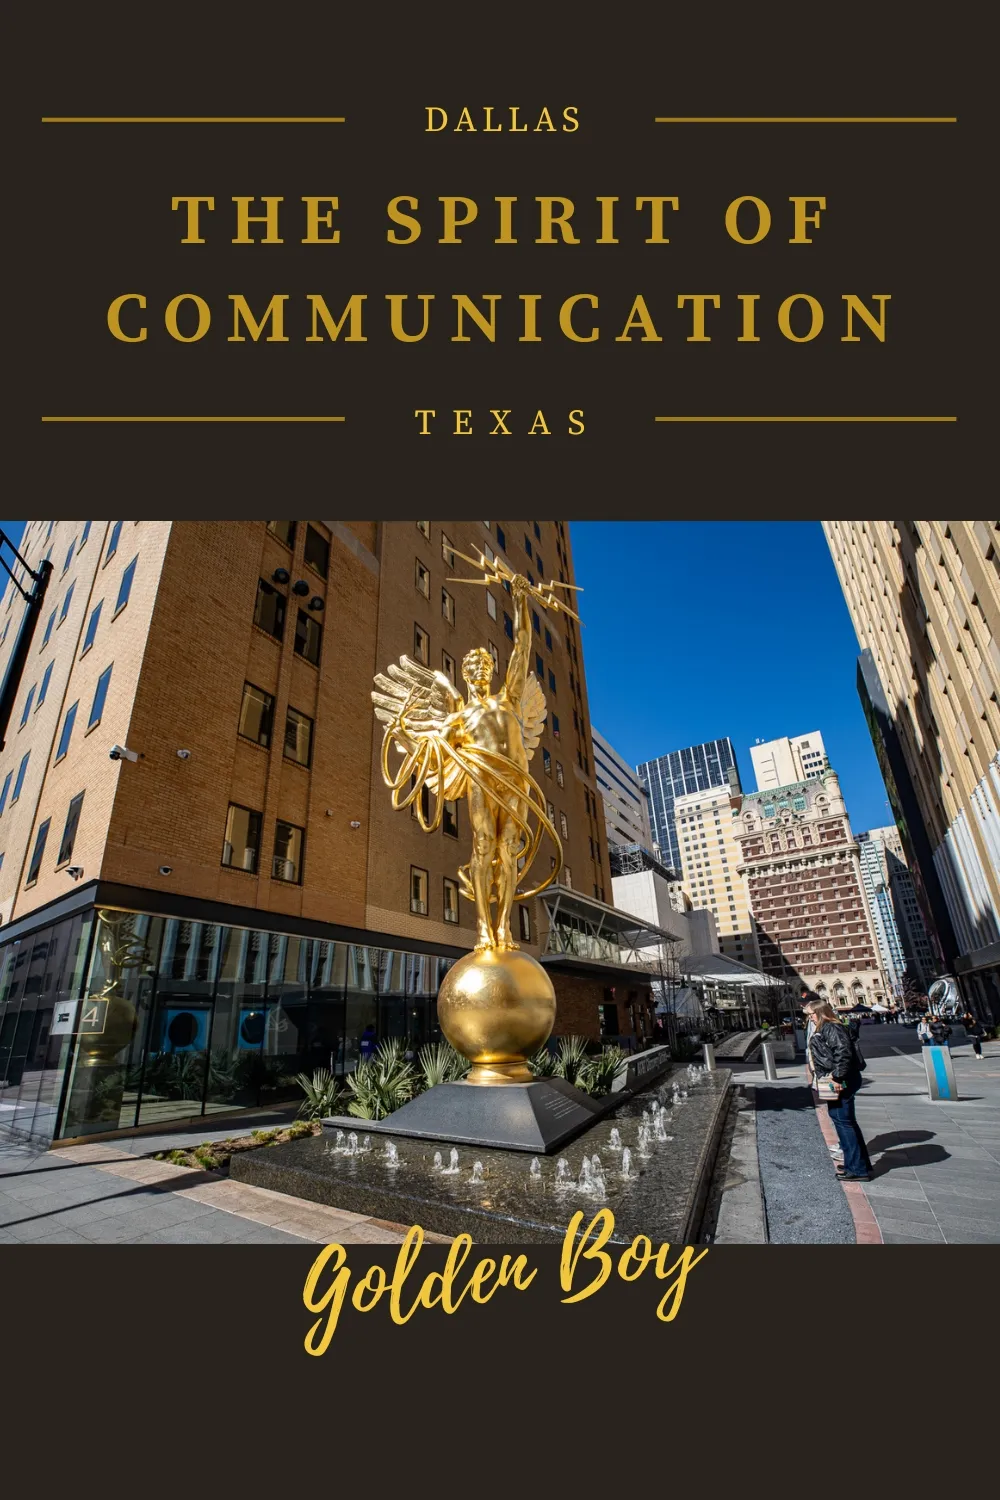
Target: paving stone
point(914, 1228)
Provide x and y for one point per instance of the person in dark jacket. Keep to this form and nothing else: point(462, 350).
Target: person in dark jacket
point(832, 1054)
point(940, 1031)
point(975, 1031)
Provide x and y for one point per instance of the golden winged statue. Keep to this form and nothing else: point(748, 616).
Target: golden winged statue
point(477, 747)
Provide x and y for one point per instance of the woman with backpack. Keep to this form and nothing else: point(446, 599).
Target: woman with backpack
point(836, 1065)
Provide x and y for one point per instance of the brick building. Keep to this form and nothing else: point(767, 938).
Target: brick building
point(803, 877)
point(264, 904)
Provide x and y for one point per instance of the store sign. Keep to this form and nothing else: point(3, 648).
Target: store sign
point(64, 1018)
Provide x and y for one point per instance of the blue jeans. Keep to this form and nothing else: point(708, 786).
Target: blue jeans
point(856, 1159)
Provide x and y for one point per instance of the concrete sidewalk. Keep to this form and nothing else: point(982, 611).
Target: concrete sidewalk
point(110, 1194)
point(936, 1163)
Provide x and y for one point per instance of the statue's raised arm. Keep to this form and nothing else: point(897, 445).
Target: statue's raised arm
point(517, 669)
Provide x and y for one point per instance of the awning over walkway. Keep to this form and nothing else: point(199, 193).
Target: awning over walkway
point(583, 928)
point(713, 968)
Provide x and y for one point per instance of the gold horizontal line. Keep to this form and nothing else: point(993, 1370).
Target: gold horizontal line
point(194, 419)
point(194, 120)
point(805, 419)
point(806, 120)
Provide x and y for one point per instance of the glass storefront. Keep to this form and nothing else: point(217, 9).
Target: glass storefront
point(116, 1019)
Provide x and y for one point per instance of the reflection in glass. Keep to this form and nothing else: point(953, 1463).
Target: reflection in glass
point(176, 1071)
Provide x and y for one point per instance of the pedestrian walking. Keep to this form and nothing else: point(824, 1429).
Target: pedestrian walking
point(368, 1041)
point(809, 1002)
point(975, 1031)
point(837, 1069)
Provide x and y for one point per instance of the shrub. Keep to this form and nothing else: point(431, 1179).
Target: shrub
point(571, 1059)
point(600, 1072)
point(440, 1063)
point(382, 1083)
point(542, 1063)
point(322, 1094)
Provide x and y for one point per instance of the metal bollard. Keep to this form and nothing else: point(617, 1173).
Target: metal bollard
point(940, 1072)
point(708, 1053)
point(770, 1071)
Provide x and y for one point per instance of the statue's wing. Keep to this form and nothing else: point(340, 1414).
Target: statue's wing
point(427, 695)
point(532, 714)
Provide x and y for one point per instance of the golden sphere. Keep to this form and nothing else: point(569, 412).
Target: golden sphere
point(497, 1008)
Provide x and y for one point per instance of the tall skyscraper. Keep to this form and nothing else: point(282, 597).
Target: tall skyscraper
point(674, 775)
point(803, 876)
point(710, 858)
point(899, 927)
point(235, 901)
point(626, 801)
point(925, 600)
point(780, 762)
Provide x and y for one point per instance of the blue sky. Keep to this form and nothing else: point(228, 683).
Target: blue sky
point(698, 629)
point(694, 630)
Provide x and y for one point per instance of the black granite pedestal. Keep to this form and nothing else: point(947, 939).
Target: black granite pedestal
point(539, 1117)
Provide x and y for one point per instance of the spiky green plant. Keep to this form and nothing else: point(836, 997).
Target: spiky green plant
point(542, 1063)
point(381, 1083)
point(440, 1063)
point(571, 1059)
point(600, 1073)
point(322, 1093)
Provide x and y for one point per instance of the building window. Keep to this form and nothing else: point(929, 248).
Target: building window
point(541, 565)
point(560, 776)
point(563, 825)
point(3, 792)
point(92, 624)
point(116, 532)
point(448, 665)
point(298, 737)
point(256, 714)
point(501, 539)
point(450, 819)
point(450, 900)
point(269, 610)
point(547, 762)
point(418, 891)
point(242, 846)
point(422, 578)
point(447, 607)
point(527, 545)
point(548, 640)
point(100, 693)
point(69, 831)
point(85, 533)
point(508, 626)
point(447, 550)
point(67, 732)
point(539, 669)
point(555, 725)
point(36, 858)
point(552, 679)
point(287, 863)
point(284, 531)
point(125, 588)
point(567, 876)
point(495, 655)
point(421, 645)
point(308, 637)
point(524, 922)
point(317, 551)
point(536, 623)
point(44, 687)
point(48, 628)
point(27, 705)
point(491, 606)
point(69, 557)
point(66, 604)
point(425, 802)
point(424, 527)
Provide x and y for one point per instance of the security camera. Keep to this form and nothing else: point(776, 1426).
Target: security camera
point(315, 602)
point(166, 870)
point(300, 587)
point(74, 871)
point(355, 823)
point(184, 755)
point(119, 752)
point(281, 575)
